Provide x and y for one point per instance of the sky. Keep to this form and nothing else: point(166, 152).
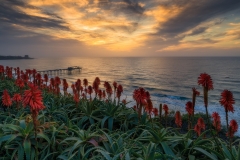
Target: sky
point(96, 28)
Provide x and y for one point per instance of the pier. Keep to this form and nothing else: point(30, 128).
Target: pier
point(68, 70)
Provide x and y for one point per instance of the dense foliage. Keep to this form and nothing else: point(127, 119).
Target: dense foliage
point(96, 128)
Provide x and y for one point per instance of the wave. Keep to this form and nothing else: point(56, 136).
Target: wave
point(171, 96)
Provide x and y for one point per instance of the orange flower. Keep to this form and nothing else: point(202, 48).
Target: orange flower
point(33, 98)
point(165, 108)
point(233, 127)
point(227, 100)
point(17, 97)
point(178, 119)
point(189, 107)
point(206, 81)
point(6, 99)
point(216, 121)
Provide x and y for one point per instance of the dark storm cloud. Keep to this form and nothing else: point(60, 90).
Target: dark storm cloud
point(195, 12)
point(198, 31)
point(12, 15)
point(130, 7)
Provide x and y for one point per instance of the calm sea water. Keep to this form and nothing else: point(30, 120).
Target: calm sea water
point(169, 80)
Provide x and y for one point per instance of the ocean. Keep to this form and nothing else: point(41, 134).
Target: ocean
point(169, 80)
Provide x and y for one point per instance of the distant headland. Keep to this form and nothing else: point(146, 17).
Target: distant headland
point(14, 57)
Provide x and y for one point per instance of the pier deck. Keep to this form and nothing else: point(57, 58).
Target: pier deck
point(68, 70)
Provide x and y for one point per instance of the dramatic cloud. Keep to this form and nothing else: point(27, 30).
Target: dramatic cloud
point(120, 27)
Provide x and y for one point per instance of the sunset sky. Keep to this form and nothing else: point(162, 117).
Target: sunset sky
point(42, 28)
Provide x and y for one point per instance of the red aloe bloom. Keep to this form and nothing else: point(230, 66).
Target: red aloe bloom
point(6, 99)
point(65, 86)
point(119, 90)
point(149, 106)
point(233, 127)
point(33, 98)
point(147, 95)
point(189, 107)
point(9, 73)
point(52, 82)
point(155, 111)
point(197, 129)
point(139, 95)
point(100, 94)
point(38, 76)
point(195, 92)
point(206, 81)
point(135, 107)
point(85, 82)
point(104, 94)
point(124, 101)
point(57, 81)
point(33, 72)
point(25, 78)
point(76, 98)
point(45, 78)
point(178, 119)
point(96, 87)
point(90, 90)
point(73, 88)
point(97, 80)
point(1, 69)
point(201, 123)
point(165, 108)
point(216, 121)
point(38, 79)
point(17, 97)
point(78, 84)
point(115, 85)
point(227, 100)
point(81, 88)
point(20, 83)
point(84, 95)
point(108, 89)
